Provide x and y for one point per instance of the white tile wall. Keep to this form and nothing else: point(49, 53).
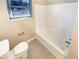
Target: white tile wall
point(56, 23)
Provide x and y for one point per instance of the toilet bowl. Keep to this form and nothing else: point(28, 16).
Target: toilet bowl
point(20, 50)
point(4, 49)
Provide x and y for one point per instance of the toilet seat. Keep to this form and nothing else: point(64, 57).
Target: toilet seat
point(21, 47)
point(20, 51)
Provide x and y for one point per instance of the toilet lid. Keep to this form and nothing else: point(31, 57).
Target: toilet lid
point(4, 47)
point(21, 47)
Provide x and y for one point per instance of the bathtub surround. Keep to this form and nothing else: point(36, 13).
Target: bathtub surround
point(64, 19)
point(55, 26)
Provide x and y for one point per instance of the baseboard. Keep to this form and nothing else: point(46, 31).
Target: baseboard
point(31, 39)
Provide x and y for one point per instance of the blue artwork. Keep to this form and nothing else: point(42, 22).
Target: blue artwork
point(19, 8)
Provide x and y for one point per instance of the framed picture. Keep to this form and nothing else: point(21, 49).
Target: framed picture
point(19, 8)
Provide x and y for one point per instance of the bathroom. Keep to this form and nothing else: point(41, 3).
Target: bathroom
point(42, 31)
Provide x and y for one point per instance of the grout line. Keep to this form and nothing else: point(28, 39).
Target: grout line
point(31, 39)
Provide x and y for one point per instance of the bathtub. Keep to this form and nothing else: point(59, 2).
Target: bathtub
point(55, 25)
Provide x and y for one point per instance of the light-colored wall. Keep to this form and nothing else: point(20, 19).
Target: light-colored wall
point(41, 2)
point(49, 2)
point(11, 29)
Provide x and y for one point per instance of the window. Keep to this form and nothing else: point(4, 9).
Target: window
point(19, 8)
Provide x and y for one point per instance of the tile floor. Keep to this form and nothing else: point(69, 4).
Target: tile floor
point(38, 51)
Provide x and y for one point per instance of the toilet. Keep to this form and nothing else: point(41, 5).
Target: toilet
point(4, 49)
point(20, 50)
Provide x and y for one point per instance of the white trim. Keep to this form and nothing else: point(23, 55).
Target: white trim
point(31, 39)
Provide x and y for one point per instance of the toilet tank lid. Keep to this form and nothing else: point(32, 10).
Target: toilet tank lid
point(4, 47)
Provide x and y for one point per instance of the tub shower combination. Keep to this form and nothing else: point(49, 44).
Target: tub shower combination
point(55, 25)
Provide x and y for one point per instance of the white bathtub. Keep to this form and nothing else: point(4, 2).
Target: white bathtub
point(55, 25)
